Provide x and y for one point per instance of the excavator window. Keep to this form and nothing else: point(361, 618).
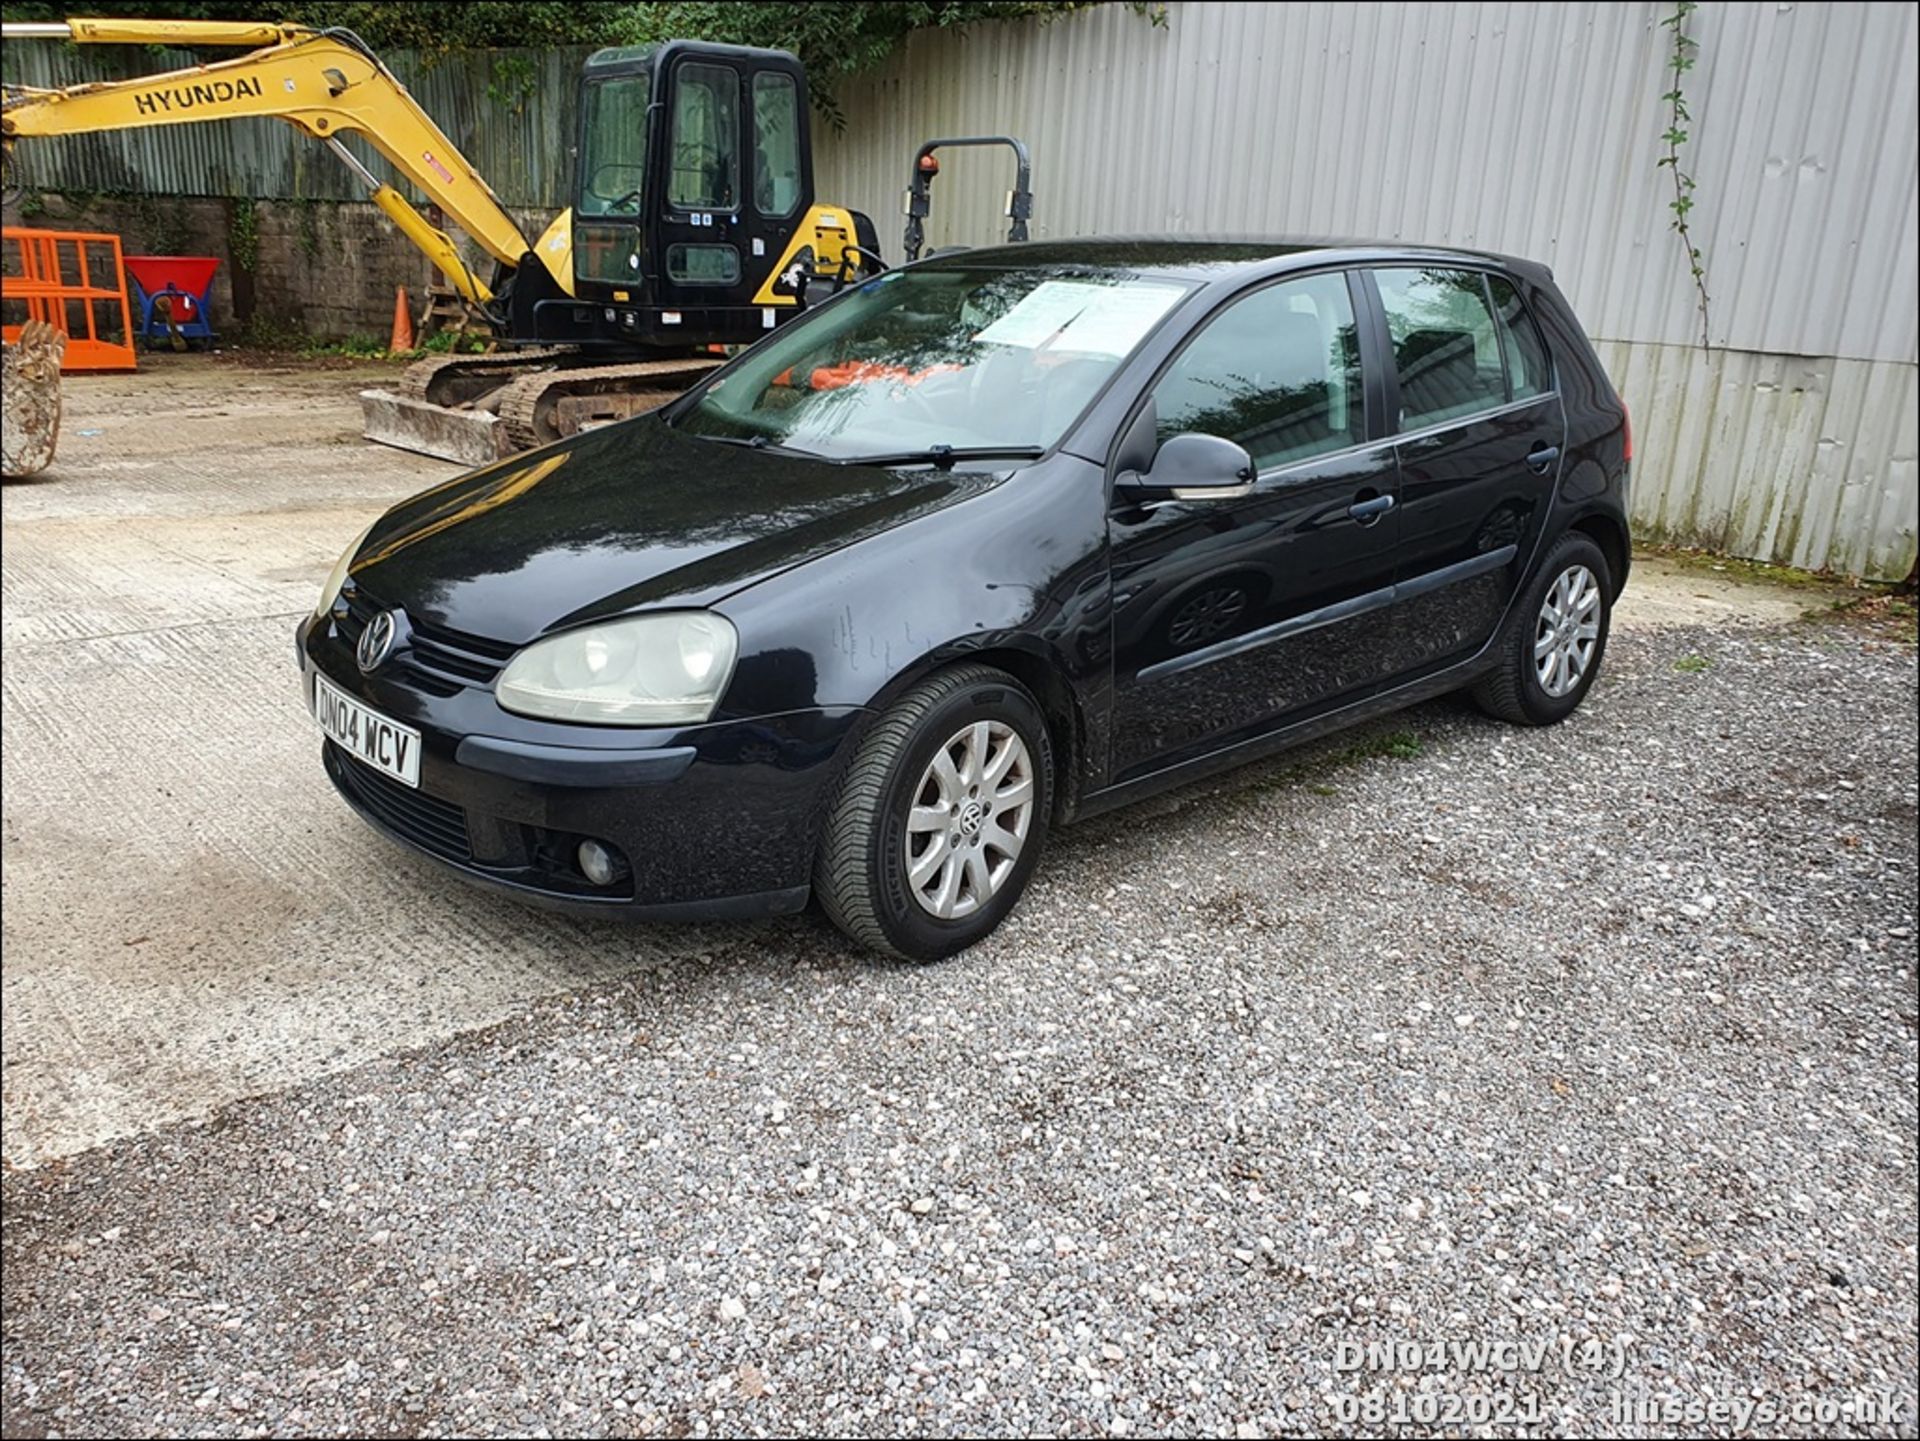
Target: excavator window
point(706, 138)
point(776, 144)
point(616, 149)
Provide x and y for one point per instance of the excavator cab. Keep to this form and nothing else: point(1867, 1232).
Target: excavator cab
point(693, 198)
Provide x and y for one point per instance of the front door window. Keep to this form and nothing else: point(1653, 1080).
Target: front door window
point(705, 156)
point(776, 144)
point(1278, 372)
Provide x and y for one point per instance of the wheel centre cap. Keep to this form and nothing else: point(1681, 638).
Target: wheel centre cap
point(971, 817)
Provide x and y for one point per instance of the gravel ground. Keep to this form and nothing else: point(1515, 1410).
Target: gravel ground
point(1442, 1031)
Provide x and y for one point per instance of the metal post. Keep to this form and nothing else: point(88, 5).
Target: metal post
point(919, 198)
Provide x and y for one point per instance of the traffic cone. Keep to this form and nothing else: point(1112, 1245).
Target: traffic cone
point(402, 337)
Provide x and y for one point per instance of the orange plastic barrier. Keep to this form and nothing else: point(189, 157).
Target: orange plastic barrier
point(76, 283)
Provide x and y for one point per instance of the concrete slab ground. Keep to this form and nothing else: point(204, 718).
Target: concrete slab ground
point(191, 916)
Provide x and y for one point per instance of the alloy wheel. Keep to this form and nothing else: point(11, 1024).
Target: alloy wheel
point(970, 816)
point(1567, 631)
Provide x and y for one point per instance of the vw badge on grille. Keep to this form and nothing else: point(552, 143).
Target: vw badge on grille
point(376, 641)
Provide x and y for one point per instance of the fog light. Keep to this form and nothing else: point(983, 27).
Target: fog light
point(597, 863)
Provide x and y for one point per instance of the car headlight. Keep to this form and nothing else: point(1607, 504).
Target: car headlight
point(662, 669)
point(337, 577)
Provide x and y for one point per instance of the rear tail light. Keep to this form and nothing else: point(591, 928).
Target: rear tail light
point(1626, 418)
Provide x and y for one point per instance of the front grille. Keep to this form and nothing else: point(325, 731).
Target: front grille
point(436, 826)
point(439, 661)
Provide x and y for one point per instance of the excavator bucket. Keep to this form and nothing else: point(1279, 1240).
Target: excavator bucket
point(467, 436)
point(30, 399)
point(449, 405)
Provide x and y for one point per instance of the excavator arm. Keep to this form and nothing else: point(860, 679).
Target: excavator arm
point(323, 83)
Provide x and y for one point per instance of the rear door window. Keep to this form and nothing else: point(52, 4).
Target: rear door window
point(1445, 344)
point(705, 155)
point(1278, 372)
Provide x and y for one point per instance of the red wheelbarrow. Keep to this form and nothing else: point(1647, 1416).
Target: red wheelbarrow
point(172, 293)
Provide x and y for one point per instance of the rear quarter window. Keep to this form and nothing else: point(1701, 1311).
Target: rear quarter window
point(1529, 372)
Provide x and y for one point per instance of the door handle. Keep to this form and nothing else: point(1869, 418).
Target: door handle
point(1369, 511)
point(1541, 459)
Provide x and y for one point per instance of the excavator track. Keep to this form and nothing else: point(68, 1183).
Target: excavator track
point(434, 378)
point(553, 404)
point(477, 409)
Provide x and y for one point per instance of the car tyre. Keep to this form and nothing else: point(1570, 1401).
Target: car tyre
point(940, 817)
point(1555, 640)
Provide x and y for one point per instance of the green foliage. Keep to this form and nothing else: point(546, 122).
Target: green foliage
point(269, 332)
point(834, 38)
point(1740, 568)
point(354, 347)
point(309, 227)
point(243, 234)
point(1681, 60)
point(445, 342)
point(512, 83)
point(1398, 745)
point(1394, 745)
point(1691, 664)
point(431, 28)
point(162, 223)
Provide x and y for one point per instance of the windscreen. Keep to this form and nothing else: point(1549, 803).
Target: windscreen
point(914, 359)
point(613, 156)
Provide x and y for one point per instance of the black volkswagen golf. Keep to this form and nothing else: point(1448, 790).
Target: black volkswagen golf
point(977, 548)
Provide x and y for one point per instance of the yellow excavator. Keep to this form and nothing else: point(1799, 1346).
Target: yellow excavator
point(694, 222)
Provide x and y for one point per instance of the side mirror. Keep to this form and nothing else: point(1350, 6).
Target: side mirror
point(1195, 467)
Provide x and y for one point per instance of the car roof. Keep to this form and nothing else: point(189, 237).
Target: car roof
point(1205, 259)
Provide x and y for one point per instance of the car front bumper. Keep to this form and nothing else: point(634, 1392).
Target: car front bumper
point(716, 821)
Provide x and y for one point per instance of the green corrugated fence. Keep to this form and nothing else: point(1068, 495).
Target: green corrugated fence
point(512, 112)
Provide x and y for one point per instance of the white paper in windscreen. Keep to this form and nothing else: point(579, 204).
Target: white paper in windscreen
point(1117, 319)
point(1041, 313)
point(1085, 318)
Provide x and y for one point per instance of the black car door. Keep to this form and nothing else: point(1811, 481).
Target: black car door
point(1234, 614)
point(1481, 430)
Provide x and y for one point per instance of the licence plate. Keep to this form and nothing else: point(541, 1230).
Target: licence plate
point(366, 735)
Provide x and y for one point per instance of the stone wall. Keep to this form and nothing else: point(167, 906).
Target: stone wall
point(319, 271)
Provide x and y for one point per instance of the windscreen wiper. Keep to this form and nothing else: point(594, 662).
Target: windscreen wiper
point(752, 442)
point(945, 457)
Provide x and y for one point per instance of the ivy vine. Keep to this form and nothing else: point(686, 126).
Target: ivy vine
point(243, 234)
point(1680, 61)
point(309, 227)
point(512, 82)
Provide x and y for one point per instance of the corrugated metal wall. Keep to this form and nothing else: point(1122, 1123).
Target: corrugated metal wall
point(512, 112)
point(1527, 128)
point(1532, 129)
